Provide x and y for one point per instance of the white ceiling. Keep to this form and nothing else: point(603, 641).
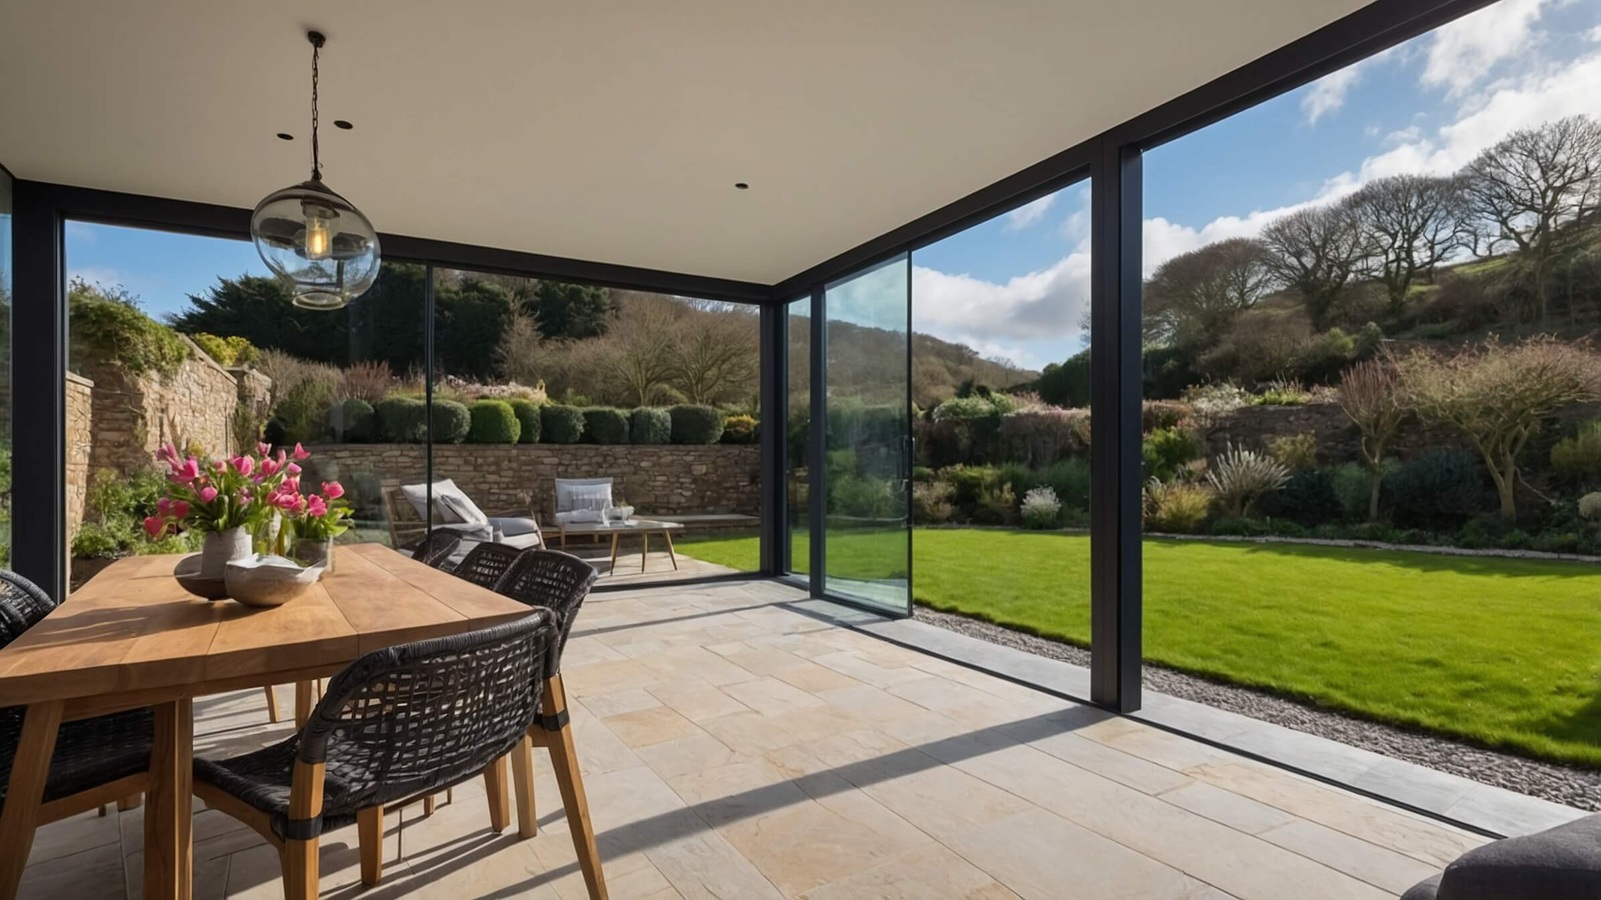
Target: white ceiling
point(607, 130)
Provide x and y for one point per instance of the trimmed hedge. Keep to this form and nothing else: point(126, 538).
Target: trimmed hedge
point(527, 412)
point(605, 425)
point(493, 422)
point(740, 429)
point(402, 420)
point(650, 425)
point(696, 424)
point(561, 424)
point(452, 421)
point(352, 421)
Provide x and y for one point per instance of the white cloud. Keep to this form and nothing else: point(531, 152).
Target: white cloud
point(1328, 93)
point(1040, 305)
point(1594, 35)
point(1029, 213)
point(1463, 51)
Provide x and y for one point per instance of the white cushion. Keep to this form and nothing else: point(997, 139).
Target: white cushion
point(451, 506)
point(575, 494)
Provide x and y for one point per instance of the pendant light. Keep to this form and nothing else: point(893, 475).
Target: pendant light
point(311, 237)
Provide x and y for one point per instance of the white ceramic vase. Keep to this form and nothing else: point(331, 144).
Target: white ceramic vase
point(221, 548)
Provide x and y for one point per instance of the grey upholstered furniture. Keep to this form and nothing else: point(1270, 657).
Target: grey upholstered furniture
point(396, 725)
point(454, 511)
point(582, 499)
point(1561, 863)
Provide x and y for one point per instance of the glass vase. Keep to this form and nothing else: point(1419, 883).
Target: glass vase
point(314, 552)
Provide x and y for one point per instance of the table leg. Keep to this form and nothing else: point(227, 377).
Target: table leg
point(668, 537)
point(613, 569)
point(644, 550)
point(25, 791)
point(169, 840)
point(303, 702)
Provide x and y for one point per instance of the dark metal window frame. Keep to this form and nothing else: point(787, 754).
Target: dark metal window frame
point(1111, 160)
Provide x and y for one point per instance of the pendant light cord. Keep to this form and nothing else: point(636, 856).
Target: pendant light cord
point(316, 161)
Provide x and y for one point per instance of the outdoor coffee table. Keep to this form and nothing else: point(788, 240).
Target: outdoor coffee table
point(642, 527)
point(132, 637)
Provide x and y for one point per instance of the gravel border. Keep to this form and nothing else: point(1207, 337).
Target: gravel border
point(1579, 788)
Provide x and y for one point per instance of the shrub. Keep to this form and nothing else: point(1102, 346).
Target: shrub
point(997, 505)
point(1175, 506)
point(452, 421)
point(527, 413)
point(1295, 451)
point(740, 429)
point(109, 325)
point(972, 407)
point(1439, 489)
point(1577, 459)
point(605, 425)
point(1040, 508)
point(1240, 476)
point(402, 420)
point(931, 502)
point(969, 483)
point(1155, 414)
point(1281, 393)
point(115, 505)
point(368, 380)
point(862, 498)
point(1240, 526)
point(1167, 451)
point(695, 424)
point(234, 350)
point(1070, 480)
point(1308, 498)
point(352, 421)
point(492, 422)
point(654, 425)
point(1040, 435)
point(1590, 506)
point(1320, 361)
point(301, 414)
point(560, 424)
point(1353, 486)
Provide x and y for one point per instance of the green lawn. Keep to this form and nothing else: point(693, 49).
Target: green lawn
point(1503, 652)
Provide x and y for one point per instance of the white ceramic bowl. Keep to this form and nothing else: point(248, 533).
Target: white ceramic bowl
point(268, 580)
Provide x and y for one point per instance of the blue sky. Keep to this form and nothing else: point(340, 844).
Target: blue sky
point(1016, 287)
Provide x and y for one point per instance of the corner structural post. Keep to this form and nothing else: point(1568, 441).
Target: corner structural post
point(38, 414)
point(1115, 590)
point(817, 444)
point(775, 498)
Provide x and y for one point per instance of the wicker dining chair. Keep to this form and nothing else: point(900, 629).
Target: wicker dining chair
point(437, 548)
point(397, 724)
point(96, 760)
point(485, 564)
point(559, 582)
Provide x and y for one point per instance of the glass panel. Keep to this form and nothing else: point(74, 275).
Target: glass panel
point(1000, 385)
point(654, 396)
point(186, 340)
point(798, 435)
point(1359, 497)
point(5, 370)
point(867, 550)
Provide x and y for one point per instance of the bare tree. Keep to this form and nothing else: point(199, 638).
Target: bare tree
point(1193, 297)
point(1410, 224)
point(1315, 252)
point(635, 357)
point(1531, 184)
point(715, 355)
point(1497, 396)
point(1370, 394)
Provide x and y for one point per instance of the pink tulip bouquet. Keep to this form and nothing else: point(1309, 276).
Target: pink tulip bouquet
point(251, 491)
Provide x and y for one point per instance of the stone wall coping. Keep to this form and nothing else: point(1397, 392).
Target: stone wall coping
point(75, 378)
point(202, 356)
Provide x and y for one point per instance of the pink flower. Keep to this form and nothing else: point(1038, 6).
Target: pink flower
point(263, 448)
point(316, 506)
point(154, 527)
point(180, 509)
point(292, 483)
point(163, 507)
point(300, 452)
point(333, 489)
point(269, 468)
point(244, 465)
point(208, 494)
point(168, 454)
point(293, 469)
point(185, 472)
point(220, 466)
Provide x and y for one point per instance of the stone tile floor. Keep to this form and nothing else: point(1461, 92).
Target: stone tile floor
point(736, 748)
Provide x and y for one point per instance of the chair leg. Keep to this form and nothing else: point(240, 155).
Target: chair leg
point(300, 869)
point(522, 777)
point(370, 831)
point(272, 704)
point(428, 805)
point(564, 759)
point(499, 797)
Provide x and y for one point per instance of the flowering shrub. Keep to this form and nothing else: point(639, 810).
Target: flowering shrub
point(1178, 507)
point(1040, 435)
point(1590, 506)
point(931, 502)
point(1041, 509)
point(1240, 476)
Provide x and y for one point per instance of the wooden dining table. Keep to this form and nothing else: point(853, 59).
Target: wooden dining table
point(131, 637)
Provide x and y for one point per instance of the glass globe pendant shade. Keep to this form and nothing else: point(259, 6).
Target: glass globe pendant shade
point(318, 242)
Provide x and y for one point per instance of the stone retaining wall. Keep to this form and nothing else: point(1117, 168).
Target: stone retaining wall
point(80, 440)
point(661, 480)
point(135, 414)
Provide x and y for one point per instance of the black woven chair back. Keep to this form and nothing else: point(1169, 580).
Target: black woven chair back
point(556, 581)
point(418, 718)
point(22, 605)
point(436, 548)
point(486, 563)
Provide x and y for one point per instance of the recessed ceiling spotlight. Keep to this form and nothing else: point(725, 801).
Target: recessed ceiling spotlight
point(740, 185)
point(285, 136)
point(341, 123)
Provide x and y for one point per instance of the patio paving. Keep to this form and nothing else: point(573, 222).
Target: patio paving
point(734, 746)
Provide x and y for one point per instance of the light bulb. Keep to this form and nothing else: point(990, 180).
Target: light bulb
point(319, 240)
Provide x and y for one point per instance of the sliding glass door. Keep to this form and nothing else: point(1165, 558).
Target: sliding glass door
point(867, 438)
